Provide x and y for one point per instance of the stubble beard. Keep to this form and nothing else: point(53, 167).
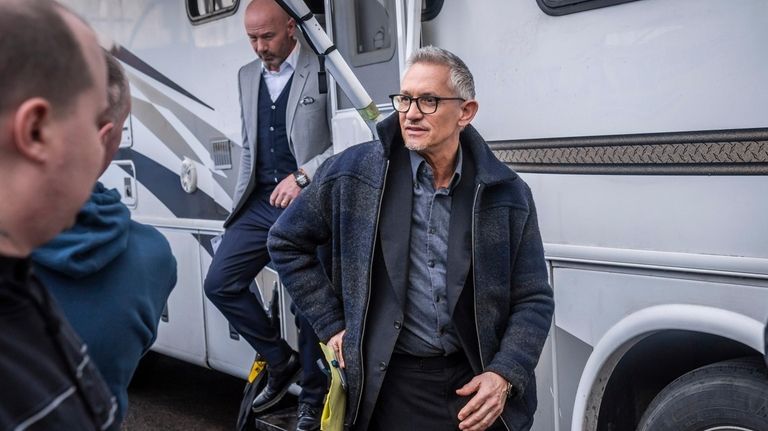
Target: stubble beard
point(269, 59)
point(415, 147)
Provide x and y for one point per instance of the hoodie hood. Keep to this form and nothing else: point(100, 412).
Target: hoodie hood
point(100, 234)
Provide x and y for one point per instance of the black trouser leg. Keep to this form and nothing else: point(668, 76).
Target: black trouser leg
point(314, 382)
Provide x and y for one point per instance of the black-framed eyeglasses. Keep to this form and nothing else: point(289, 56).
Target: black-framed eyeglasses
point(426, 104)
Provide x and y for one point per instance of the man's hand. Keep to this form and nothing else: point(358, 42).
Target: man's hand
point(285, 192)
point(490, 391)
point(335, 343)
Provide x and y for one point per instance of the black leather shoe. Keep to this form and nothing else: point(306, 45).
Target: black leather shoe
point(308, 418)
point(278, 381)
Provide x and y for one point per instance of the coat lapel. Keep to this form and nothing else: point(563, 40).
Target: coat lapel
point(250, 109)
point(300, 75)
point(460, 232)
point(394, 228)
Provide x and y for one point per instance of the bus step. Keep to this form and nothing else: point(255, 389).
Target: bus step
point(277, 420)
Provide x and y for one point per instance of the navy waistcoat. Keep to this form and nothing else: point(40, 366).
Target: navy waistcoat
point(274, 160)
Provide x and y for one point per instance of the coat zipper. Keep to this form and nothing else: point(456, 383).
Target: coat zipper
point(474, 291)
point(368, 299)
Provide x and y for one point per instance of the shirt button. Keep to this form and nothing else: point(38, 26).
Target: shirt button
point(382, 366)
point(431, 263)
point(398, 324)
point(432, 230)
point(273, 107)
point(271, 129)
point(437, 299)
point(441, 331)
point(271, 150)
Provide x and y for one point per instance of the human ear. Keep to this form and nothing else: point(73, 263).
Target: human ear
point(32, 129)
point(105, 131)
point(468, 112)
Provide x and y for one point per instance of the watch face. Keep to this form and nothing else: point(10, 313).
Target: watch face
point(301, 179)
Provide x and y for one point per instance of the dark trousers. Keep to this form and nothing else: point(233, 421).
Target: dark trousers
point(419, 394)
point(241, 255)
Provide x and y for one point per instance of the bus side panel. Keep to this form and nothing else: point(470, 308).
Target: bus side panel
point(710, 215)
point(640, 67)
point(183, 334)
point(227, 350)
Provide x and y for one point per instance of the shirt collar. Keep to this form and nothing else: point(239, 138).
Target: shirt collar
point(289, 61)
point(417, 160)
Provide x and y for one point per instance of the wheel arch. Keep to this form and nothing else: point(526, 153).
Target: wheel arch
point(740, 333)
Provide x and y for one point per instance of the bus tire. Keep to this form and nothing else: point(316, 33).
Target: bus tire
point(725, 396)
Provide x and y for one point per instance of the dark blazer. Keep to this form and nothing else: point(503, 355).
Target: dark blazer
point(306, 123)
point(501, 276)
point(390, 271)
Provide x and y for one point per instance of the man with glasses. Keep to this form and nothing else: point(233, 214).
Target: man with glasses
point(436, 297)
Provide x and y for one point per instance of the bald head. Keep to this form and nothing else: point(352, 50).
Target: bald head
point(268, 8)
point(271, 32)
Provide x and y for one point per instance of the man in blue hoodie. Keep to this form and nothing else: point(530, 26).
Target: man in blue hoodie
point(110, 275)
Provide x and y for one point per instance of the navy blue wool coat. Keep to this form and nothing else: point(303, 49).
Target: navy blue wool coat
point(513, 302)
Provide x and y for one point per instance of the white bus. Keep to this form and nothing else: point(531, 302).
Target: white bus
point(641, 126)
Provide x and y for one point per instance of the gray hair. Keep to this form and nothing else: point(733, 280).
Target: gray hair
point(461, 78)
point(117, 88)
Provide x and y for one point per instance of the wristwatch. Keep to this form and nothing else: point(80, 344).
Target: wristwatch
point(302, 180)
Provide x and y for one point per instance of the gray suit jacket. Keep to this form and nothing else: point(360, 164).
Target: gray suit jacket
point(309, 136)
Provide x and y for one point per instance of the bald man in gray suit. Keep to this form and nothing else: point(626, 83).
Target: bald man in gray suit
point(285, 139)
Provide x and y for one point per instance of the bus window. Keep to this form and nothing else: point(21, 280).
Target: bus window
point(373, 35)
point(200, 11)
point(365, 33)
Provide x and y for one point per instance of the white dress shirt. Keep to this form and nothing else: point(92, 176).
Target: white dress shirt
point(276, 80)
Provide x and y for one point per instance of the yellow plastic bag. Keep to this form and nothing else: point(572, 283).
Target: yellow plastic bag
point(335, 406)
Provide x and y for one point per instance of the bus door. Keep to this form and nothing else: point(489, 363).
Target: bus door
point(374, 37)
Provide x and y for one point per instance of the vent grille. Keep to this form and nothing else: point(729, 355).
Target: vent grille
point(222, 153)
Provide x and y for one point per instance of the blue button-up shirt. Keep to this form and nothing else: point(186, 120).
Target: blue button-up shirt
point(427, 329)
